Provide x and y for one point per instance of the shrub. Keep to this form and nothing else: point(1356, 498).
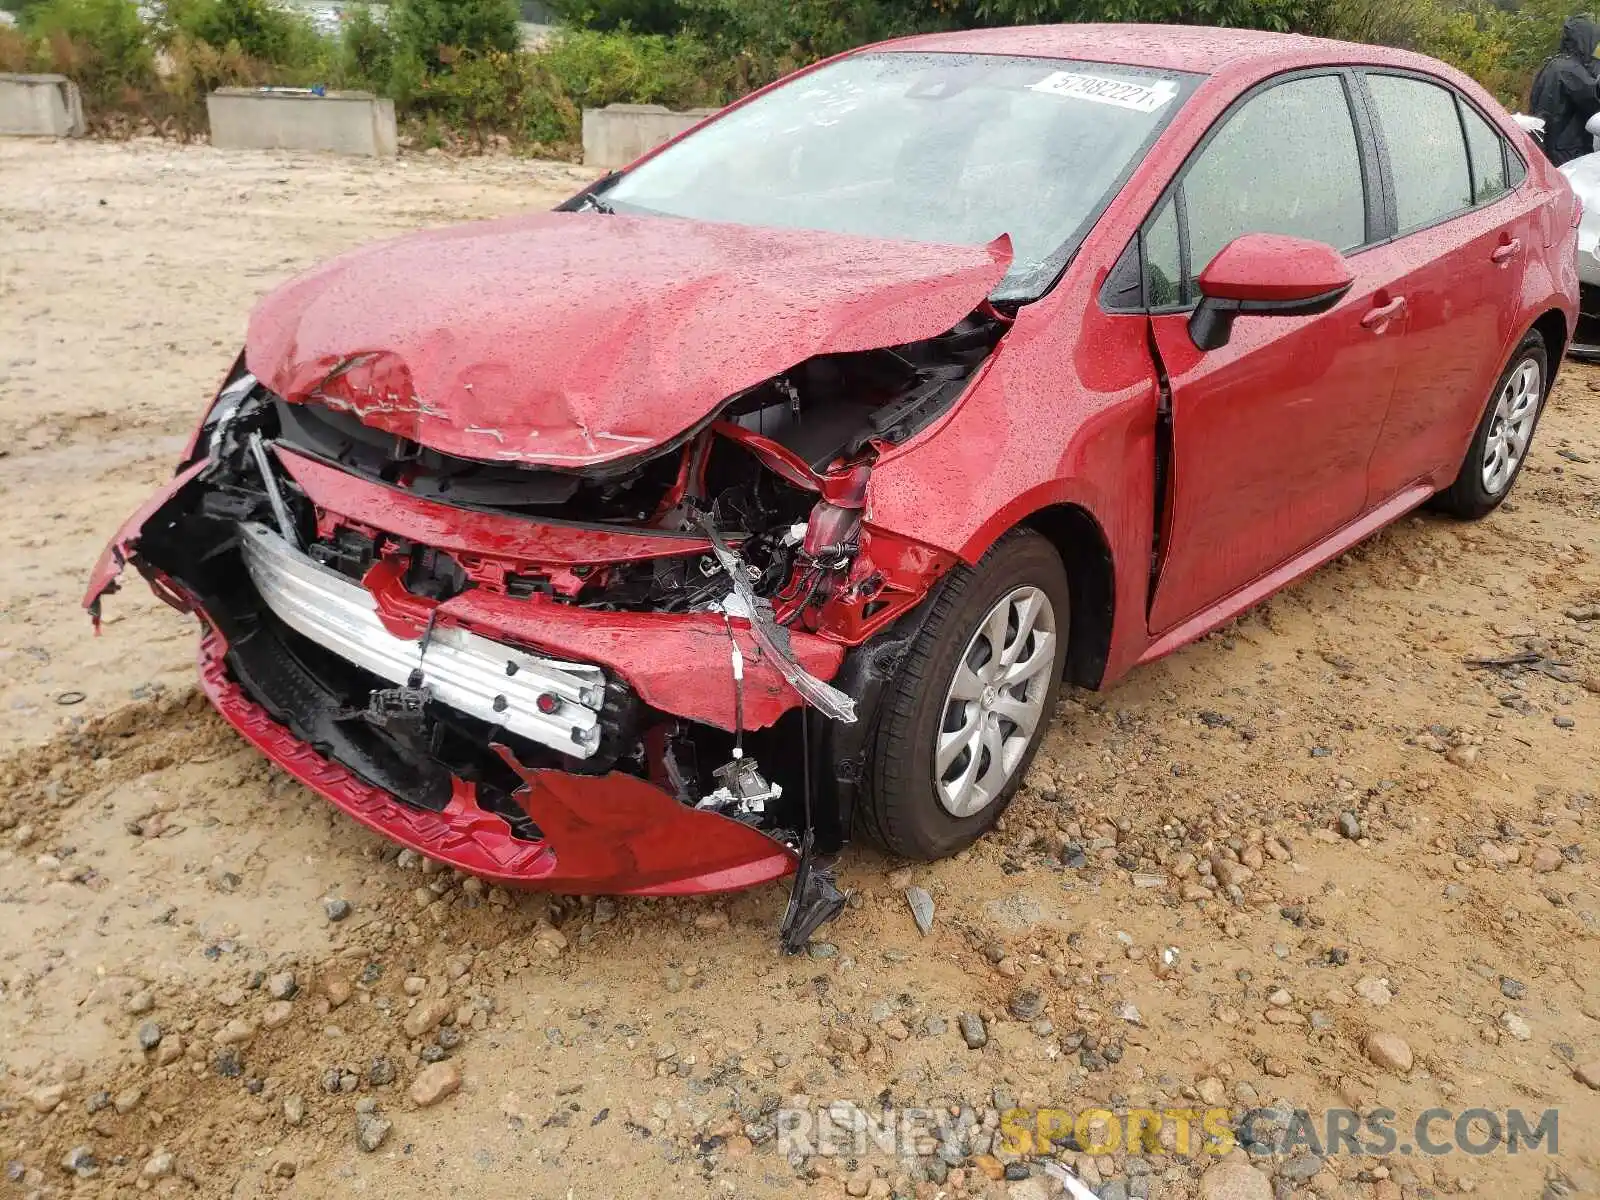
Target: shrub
point(1254, 14)
point(1498, 47)
point(20, 53)
point(102, 44)
point(435, 31)
point(192, 69)
point(408, 74)
point(639, 16)
point(367, 50)
point(257, 28)
point(595, 69)
point(18, 9)
point(454, 67)
point(498, 93)
point(1478, 44)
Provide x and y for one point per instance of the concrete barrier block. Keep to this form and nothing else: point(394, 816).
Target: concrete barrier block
point(291, 119)
point(40, 106)
point(617, 134)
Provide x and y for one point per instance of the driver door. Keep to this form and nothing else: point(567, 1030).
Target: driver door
point(1272, 433)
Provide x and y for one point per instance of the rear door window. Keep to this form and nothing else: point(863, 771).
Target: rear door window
point(1427, 149)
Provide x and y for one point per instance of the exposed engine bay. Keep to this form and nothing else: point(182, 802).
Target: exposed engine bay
point(754, 471)
point(436, 623)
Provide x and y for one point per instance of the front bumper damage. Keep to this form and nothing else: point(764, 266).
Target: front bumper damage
point(610, 833)
point(559, 569)
point(442, 673)
point(617, 834)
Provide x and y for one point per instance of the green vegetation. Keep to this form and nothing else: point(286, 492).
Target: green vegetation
point(437, 32)
point(458, 73)
point(101, 42)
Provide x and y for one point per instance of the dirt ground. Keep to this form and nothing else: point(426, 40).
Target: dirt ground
point(1224, 875)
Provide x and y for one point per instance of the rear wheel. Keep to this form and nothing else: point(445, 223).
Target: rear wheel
point(966, 713)
point(1500, 444)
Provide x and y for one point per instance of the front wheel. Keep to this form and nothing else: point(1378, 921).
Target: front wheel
point(968, 708)
point(1500, 443)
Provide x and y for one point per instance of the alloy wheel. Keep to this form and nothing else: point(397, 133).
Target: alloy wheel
point(1511, 427)
point(995, 702)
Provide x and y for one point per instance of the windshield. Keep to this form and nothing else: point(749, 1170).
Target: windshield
point(947, 148)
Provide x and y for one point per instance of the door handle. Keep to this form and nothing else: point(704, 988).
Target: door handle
point(1506, 251)
point(1377, 318)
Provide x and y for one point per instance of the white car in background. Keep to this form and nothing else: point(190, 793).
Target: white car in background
point(1584, 176)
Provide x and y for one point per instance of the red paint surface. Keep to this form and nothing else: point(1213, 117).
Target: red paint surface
point(405, 616)
point(619, 833)
point(1270, 266)
point(612, 834)
point(1274, 433)
point(571, 339)
point(463, 530)
point(1302, 564)
point(680, 663)
point(1459, 329)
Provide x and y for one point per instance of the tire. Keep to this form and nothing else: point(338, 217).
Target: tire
point(904, 811)
point(1479, 487)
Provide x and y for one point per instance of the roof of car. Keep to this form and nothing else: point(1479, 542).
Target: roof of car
point(1202, 49)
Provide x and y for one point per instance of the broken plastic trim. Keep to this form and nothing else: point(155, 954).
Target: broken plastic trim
point(771, 637)
point(814, 900)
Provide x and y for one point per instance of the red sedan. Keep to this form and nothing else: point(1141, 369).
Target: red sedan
point(770, 489)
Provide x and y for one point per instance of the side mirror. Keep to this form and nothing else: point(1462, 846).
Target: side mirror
point(1266, 274)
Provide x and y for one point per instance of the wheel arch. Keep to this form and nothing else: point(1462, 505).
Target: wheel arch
point(1091, 575)
point(1551, 325)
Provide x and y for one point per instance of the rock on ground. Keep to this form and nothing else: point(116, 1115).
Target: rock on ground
point(1389, 1051)
point(1234, 1181)
point(434, 1083)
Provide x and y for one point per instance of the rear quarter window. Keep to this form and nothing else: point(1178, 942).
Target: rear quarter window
point(1488, 154)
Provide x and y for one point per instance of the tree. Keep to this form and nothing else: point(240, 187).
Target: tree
point(366, 50)
point(259, 28)
point(1253, 14)
point(431, 30)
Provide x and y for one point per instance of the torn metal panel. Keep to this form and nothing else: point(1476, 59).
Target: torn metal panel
point(624, 835)
point(470, 531)
point(574, 339)
point(888, 576)
point(677, 663)
point(774, 638)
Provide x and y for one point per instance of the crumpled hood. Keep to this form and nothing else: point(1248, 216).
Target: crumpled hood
point(571, 339)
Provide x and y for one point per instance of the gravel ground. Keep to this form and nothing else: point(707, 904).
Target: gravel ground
point(1314, 862)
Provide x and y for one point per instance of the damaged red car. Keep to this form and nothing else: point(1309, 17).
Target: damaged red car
point(771, 488)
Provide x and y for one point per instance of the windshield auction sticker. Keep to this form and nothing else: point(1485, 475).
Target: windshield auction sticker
point(1124, 93)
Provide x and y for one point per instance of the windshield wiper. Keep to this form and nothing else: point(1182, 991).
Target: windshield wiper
point(593, 203)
